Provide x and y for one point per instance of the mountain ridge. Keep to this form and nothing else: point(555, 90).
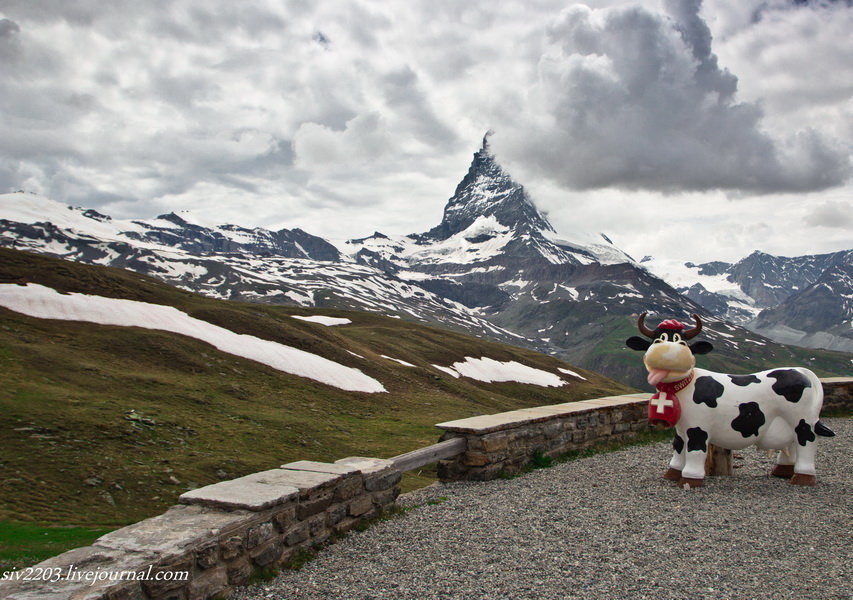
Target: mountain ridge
point(493, 267)
point(487, 190)
point(775, 295)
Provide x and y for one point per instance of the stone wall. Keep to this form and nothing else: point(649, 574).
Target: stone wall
point(219, 535)
point(505, 443)
point(838, 395)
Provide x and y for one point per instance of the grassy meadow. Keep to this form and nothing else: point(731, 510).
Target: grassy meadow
point(101, 426)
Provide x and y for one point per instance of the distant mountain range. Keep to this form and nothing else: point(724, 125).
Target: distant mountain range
point(804, 300)
point(494, 267)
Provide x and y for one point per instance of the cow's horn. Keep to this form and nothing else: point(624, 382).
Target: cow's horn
point(641, 325)
point(692, 333)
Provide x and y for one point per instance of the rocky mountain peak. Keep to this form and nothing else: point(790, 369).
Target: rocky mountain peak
point(489, 191)
point(173, 218)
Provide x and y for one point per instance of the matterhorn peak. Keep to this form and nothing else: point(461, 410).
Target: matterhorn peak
point(489, 191)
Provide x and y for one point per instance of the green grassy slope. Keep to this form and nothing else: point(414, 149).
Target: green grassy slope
point(103, 425)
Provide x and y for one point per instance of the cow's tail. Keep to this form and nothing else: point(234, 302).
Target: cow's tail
point(821, 429)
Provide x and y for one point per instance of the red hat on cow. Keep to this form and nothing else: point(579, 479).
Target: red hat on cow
point(672, 325)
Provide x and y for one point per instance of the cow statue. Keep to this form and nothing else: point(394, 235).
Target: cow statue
point(775, 409)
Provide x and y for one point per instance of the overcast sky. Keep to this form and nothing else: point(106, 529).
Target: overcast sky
point(682, 129)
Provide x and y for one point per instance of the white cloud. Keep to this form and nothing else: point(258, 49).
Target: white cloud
point(633, 99)
point(345, 118)
point(363, 140)
point(795, 61)
point(832, 213)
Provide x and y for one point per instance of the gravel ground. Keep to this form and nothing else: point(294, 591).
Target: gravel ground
point(603, 527)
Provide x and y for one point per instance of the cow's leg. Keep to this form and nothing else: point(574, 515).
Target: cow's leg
point(676, 464)
point(693, 474)
point(804, 471)
point(785, 462)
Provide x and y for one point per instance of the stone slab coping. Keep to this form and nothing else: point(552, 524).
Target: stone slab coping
point(171, 532)
point(367, 466)
point(321, 467)
point(482, 424)
point(258, 491)
point(836, 379)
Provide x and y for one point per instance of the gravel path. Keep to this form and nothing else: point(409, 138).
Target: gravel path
point(603, 527)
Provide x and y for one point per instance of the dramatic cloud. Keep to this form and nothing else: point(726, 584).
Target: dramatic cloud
point(346, 117)
point(633, 99)
point(796, 62)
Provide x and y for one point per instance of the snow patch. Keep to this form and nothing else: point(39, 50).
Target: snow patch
point(490, 370)
point(449, 370)
point(484, 225)
point(322, 320)
point(397, 360)
point(46, 303)
point(572, 373)
point(414, 276)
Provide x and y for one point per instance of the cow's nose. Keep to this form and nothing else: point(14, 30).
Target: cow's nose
point(669, 355)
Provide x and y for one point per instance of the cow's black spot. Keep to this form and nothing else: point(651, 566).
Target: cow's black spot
point(750, 419)
point(696, 439)
point(804, 433)
point(744, 380)
point(789, 383)
point(678, 443)
point(707, 390)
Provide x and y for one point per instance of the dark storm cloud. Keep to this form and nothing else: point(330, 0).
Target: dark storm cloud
point(697, 36)
point(633, 99)
point(342, 116)
point(405, 97)
point(8, 29)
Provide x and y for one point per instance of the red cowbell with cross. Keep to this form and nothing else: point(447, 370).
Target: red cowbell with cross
point(664, 407)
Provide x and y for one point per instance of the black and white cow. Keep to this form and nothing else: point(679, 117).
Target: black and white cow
point(775, 409)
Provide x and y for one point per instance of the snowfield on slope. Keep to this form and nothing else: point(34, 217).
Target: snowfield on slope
point(397, 360)
point(323, 320)
point(46, 303)
point(572, 373)
point(490, 370)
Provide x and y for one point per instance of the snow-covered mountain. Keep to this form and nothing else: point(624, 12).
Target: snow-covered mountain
point(494, 267)
point(495, 253)
point(803, 300)
point(29, 216)
point(226, 261)
point(490, 225)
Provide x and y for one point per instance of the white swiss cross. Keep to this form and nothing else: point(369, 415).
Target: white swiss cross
point(661, 404)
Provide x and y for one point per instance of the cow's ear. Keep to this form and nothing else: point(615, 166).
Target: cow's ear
point(637, 343)
point(701, 347)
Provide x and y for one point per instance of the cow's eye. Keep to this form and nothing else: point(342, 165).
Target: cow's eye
point(676, 337)
point(663, 338)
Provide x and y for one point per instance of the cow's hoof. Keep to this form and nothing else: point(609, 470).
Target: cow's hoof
point(689, 482)
point(803, 479)
point(672, 474)
point(784, 471)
